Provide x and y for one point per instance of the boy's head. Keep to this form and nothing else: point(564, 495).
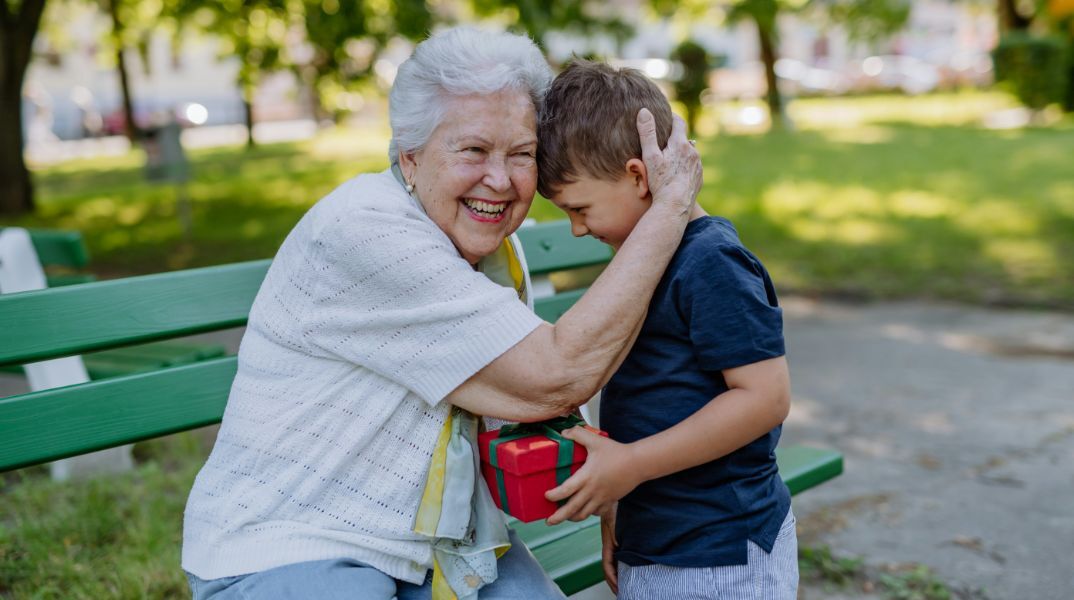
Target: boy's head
point(588, 151)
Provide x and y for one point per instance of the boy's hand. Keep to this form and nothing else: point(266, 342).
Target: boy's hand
point(608, 474)
point(608, 547)
point(674, 173)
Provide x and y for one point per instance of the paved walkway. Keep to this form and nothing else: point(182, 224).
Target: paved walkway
point(958, 428)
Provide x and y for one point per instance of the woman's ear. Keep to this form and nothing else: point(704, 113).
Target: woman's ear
point(636, 170)
point(408, 165)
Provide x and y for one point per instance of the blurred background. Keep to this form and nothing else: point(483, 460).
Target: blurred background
point(878, 153)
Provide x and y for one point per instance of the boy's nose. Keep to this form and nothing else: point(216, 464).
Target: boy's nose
point(578, 228)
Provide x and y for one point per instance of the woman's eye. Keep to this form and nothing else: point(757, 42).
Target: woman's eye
point(474, 150)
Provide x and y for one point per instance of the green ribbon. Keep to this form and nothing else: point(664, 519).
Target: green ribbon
point(551, 428)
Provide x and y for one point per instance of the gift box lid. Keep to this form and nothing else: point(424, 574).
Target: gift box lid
point(529, 454)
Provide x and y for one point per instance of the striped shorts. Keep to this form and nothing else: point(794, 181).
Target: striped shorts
point(767, 576)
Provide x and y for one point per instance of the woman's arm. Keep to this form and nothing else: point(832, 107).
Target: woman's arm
point(558, 367)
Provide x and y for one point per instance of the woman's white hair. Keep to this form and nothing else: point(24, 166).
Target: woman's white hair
point(459, 62)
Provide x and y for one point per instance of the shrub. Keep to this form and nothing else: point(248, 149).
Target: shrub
point(1035, 68)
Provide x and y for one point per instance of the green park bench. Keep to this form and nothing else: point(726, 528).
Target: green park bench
point(52, 424)
point(64, 257)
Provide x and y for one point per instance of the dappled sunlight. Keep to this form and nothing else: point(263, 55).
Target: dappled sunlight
point(252, 229)
point(1023, 259)
point(994, 217)
point(865, 134)
point(1061, 195)
point(852, 232)
point(933, 109)
point(921, 204)
point(339, 142)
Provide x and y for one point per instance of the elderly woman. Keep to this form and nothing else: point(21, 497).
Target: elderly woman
point(392, 313)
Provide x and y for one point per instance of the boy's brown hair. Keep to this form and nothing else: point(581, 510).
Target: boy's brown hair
point(588, 123)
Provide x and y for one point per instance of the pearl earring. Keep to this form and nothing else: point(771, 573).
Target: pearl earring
point(409, 188)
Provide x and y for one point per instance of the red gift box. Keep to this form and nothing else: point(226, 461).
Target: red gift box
point(531, 459)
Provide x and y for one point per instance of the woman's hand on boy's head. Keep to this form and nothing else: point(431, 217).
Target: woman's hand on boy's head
point(607, 475)
point(675, 172)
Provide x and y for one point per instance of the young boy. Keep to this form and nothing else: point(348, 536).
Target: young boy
point(694, 412)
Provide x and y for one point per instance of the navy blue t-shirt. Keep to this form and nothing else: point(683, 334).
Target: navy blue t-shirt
point(714, 309)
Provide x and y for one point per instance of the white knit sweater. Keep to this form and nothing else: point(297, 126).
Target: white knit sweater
point(367, 318)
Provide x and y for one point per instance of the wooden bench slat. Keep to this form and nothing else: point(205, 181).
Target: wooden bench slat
point(94, 316)
point(573, 562)
point(551, 247)
point(51, 424)
point(552, 308)
point(59, 248)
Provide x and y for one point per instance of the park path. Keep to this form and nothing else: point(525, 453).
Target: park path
point(958, 428)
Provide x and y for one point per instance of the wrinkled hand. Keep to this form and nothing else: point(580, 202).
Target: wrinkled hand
point(674, 173)
point(607, 475)
point(608, 547)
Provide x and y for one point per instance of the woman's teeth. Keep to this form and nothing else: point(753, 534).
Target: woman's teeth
point(485, 208)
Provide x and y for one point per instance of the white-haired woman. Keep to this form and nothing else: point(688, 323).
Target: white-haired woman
point(394, 312)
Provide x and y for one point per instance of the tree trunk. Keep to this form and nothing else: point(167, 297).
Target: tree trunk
point(248, 115)
point(131, 128)
point(17, 31)
point(1009, 17)
point(16, 189)
point(768, 57)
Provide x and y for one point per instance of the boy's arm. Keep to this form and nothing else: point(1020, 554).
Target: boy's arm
point(757, 401)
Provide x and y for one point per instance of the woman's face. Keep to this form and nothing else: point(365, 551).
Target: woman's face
point(477, 174)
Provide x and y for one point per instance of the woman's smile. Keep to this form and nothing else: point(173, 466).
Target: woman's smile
point(486, 211)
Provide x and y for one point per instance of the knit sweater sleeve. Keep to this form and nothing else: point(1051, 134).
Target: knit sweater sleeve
point(394, 296)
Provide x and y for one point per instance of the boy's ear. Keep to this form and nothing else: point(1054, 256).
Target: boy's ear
point(635, 169)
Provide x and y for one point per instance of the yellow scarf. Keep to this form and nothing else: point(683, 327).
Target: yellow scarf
point(456, 510)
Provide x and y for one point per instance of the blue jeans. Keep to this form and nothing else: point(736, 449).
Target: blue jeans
point(520, 576)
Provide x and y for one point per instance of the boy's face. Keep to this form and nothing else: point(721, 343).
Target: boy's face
point(606, 210)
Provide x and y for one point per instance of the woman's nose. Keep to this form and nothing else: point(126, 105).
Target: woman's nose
point(497, 176)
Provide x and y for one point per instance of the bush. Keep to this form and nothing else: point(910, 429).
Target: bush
point(695, 63)
point(1034, 67)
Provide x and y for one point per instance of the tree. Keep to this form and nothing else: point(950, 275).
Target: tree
point(253, 31)
point(346, 38)
point(19, 22)
point(538, 19)
point(696, 63)
point(112, 7)
point(862, 19)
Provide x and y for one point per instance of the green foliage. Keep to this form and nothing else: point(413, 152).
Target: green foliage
point(919, 583)
point(866, 19)
point(538, 18)
point(696, 64)
point(1035, 68)
point(818, 563)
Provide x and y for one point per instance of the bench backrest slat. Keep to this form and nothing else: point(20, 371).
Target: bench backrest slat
point(61, 422)
point(59, 248)
point(51, 424)
point(551, 247)
point(93, 316)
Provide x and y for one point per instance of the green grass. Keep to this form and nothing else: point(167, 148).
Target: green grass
point(871, 197)
point(110, 537)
